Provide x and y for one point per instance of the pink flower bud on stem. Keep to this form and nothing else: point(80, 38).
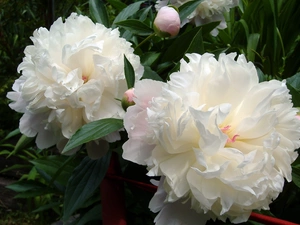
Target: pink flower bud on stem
point(127, 99)
point(167, 22)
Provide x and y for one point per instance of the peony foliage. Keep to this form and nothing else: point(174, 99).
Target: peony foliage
point(195, 111)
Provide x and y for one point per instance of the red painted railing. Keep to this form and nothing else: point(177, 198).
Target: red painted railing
point(113, 202)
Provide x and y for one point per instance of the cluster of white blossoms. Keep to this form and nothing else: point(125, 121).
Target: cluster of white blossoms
point(222, 142)
point(206, 12)
point(72, 74)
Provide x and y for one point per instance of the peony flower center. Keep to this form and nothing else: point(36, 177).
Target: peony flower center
point(226, 131)
point(85, 78)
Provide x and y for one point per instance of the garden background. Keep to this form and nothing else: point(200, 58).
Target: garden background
point(266, 31)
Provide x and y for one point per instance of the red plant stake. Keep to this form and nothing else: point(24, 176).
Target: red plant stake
point(112, 196)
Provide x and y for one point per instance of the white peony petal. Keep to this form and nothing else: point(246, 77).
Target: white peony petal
point(176, 213)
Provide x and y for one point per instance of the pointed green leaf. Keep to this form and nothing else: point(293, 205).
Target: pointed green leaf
point(296, 176)
point(35, 193)
point(136, 27)
point(293, 84)
point(16, 166)
point(98, 12)
point(56, 166)
point(294, 81)
point(252, 45)
point(150, 74)
point(85, 180)
point(4, 152)
point(127, 12)
point(10, 134)
point(46, 207)
point(129, 73)
point(148, 58)
point(117, 4)
point(186, 9)
point(22, 143)
point(93, 214)
point(196, 45)
point(260, 75)
point(57, 186)
point(179, 46)
point(25, 185)
point(145, 13)
point(93, 131)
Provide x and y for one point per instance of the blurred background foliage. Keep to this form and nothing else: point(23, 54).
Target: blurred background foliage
point(267, 32)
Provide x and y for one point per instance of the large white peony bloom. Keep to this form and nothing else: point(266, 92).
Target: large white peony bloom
point(223, 141)
point(71, 75)
point(207, 11)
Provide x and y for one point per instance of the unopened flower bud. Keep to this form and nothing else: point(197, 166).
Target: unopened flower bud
point(167, 22)
point(127, 99)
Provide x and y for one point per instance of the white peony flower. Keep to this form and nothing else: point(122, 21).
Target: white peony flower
point(207, 11)
point(223, 141)
point(71, 75)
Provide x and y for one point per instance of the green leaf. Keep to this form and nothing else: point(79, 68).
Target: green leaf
point(260, 75)
point(136, 27)
point(179, 46)
point(32, 175)
point(293, 84)
point(58, 187)
point(186, 9)
point(252, 45)
point(145, 13)
point(35, 193)
point(127, 12)
point(25, 185)
point(93, 214)
point(294, 81)
point(245, 26)
point(148, 58)
point(54, 164)
point(10, 134)
point(150, 74)
point(16, 166)
point(117, 4)
point(196, 45)
point(93, 131)
point(46, 207)
point(4, 152)
point(85, 180)
point(22, 143)
point(98, 12)
point(296, 176)
point(129, 73)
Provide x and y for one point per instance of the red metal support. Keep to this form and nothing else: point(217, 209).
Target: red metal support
point(112, 196)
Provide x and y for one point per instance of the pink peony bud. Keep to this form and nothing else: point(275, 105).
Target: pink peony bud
point(127, 99)
point(167, 22)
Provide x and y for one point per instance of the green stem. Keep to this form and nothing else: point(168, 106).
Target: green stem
point(146, 39)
